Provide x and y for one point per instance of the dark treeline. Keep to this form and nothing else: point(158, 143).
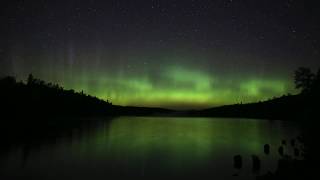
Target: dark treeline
point(301, 107)
point(38, 98)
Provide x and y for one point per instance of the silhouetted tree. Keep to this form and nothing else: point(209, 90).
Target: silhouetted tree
point(303, 79)
point(30, 79)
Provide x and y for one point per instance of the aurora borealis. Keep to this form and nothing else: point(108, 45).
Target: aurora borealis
point(162, 53)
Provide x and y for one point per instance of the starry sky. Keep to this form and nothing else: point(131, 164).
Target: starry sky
point(177, 54)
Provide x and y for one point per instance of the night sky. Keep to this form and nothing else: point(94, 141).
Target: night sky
point(162, 53)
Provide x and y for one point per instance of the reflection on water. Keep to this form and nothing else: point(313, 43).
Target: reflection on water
point(153, 147)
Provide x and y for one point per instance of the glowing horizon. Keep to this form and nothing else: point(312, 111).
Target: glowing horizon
point(175, 87)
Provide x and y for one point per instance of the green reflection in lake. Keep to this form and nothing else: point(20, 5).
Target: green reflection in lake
point(163, 147)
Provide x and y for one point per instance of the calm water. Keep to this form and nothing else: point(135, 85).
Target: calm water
point(152, 147)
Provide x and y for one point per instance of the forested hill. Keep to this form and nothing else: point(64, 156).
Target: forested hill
point(291, 107)
point(301, 107)
point(38, 98)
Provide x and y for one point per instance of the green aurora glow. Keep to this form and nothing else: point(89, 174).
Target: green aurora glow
point(179, 80)
point(171, 86)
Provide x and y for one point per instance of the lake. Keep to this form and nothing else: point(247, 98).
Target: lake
point(152, 147)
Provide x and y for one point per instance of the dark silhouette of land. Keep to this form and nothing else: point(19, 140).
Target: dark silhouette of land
point(287, 107)
point(36, 98)
point(300, 107)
